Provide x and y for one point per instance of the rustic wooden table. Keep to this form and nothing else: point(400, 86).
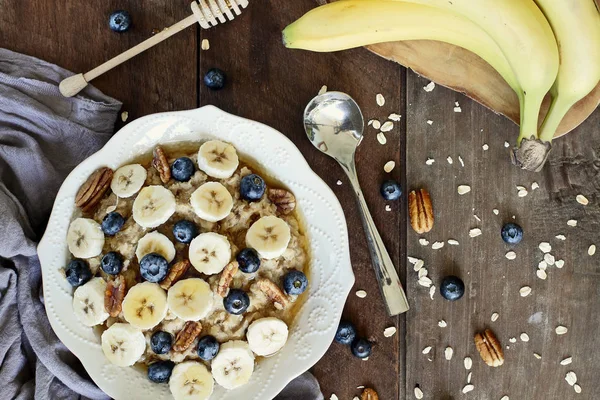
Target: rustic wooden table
point(271, 84)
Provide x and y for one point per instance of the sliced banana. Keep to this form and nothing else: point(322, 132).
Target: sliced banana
point(267, 336)
point(155, 242)
point(123, 344)
point(217, 159)
point(234, 364)
point(212, 201)
point(153, 206)
point(85, 238)
point(209, 253)
point(269, 236)
point(128, 180)
point(191, 380)
point(88, 302)
point(145, 305)
point(190, 299)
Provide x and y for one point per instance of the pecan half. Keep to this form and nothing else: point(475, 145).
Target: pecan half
point(369, 394)
point(284, 200)
point(489, 348)
point(113, 296)
point(175, 273)
point(93, 189)
point(420, 210)
point(161, 164)
point(186, 336)
point(226, 277)
point(273, 292)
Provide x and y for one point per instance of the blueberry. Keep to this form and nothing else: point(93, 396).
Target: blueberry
point(252, 187)
point(295, 282)
point(112, 263)
point(512, 233)
point(119, 21)
point(346, 333)
point(182, 169)
point(214, 79)
point(452, 288)
point(208, 347)
point(160, 371)
point(236, 302)
point(361, 348)
point(112, 223)
point(391, 190)
point(248, 260)
point(184, 231)
point(154, 267)
point(78, 272)
point(160, 342)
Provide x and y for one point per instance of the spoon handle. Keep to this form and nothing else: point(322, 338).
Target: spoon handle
point(387, 277)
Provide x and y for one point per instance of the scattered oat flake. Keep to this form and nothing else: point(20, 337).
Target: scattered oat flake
point(430, 122)
point(566, 361)
point(460, 160)
point(124, 116)
point(513, 340)
point(389, 332)
point(425, 281)
point(333, 397)
point(429, 87)
point(545, 247)
point(577, 388)
point(361, 387)
point(536, 355)
point(469, 376)
point(581, 199)
point(522, 193)
point(561, 330)
point(437, 245)
point(413, 260)
point(463, 189)
point(426, 350)
point(394, 117)
point(387, 126)
point(389, 166)
point(449, 159)
point(453, 242)
point(448, 353)
point(431, 291)
point(543, 265)
point(474, 232)
point(506, 144)
point(525, 291)
point(476, 217)
point(592, 250)
point(541, 274)
point(418, 391)
point(422, 272)
point(380, 99)
point(376, 124)
point(457, 109)
point(468, 388)
point(324, 90)
point(381, 138)
point(429, 161)
point(504, 398)
point(370, 122)
point(511, 255)
point(559, 263)
point(572, 222)
point(418, 265)
point(524, 337)
point(495, 211)
point(424, 242)
point(468, 363)
point(206, 45)
point(494, 317)
point(355, 398)
point(339, 183)
point(361, 294)
point(388, 207)
point(442, 323)
point(485, 147)
point(521, 187)
point(571, 378)
point(534, 186)
point(549, 259)
point(561, 237)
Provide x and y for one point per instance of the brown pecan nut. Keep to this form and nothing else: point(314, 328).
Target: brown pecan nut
point(113, 296)
point(226, 277)
point(284, 200)
point(93, 189)
point(186, 336)
point(489, 348)
point(175, 273)
point(420, 210)
point(369, 394)
point(273, 292)
point(161, 164)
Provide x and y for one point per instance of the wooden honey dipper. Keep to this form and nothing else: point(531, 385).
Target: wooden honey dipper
point(207, 13)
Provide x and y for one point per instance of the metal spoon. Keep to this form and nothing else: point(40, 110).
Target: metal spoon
point(334, 124)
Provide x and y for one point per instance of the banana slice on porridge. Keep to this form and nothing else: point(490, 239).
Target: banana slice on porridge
point(153, 206)
point(145, 305)
point(234, 364)
point(266, 336)
point(218, 159)
point(269, 236)
point(85, 238)
point(88, 302)
point(155, 242)
point(190, 299)
point(209, 253)
point(123, 344)
point(128, 180)
point(212, 201)
point(191, 380)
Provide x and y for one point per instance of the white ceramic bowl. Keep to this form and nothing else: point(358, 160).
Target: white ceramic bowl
point(331, 276)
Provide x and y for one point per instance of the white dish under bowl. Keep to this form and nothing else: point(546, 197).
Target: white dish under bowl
point(330, 272)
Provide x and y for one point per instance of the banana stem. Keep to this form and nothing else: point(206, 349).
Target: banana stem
point(557, 111)
point(530, 108)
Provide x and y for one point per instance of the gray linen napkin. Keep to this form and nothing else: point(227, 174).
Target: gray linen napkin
point(43, 136)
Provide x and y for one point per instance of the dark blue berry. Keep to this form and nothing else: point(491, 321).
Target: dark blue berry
point(160, 371)
point(512, 233)
point(112, 223)
point(214, 79)
point(182, 169)
point(391, 190)
point(208, 347)
point(361, 348)
point(452, 288)
point(295, 282)
point(236, 302)
point(184, 231)
point(248, 260)
point(252, 187)
point(160, 342)
point(112, 263)
point(78, 272)
point(119, 21)
point(346, 333)
point(154, 267)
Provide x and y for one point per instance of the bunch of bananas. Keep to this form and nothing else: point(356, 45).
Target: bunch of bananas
point(537, 46)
